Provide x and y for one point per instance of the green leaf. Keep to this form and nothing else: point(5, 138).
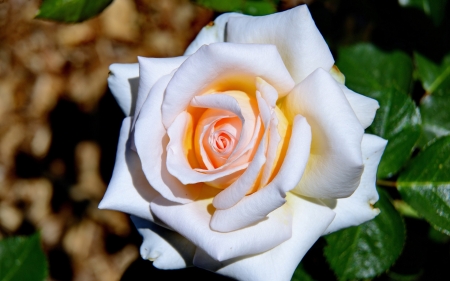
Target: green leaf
point(22, 259)
point(71, 11)
point(369, 70)
point(301, 275)
point(250, 7)
point(386, 77)
point(425, 184)
point(398, 121)
point(432, 8)
point(435, 111)
point(437, 236)
point(434, 106)
point(367, 250)
point(433, 77)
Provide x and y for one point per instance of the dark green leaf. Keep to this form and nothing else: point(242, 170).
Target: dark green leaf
point(425, 184)
point(301, 275)
point(367, 250)
point(368, 70)
point(433, 8)
point(435, 111)
point(250, 7)
point(71, 11)
point(437, 236)
point(22, 259)
point(393, 276)
point(433, 77)
point(397, 120)
point(385, 77)
point(434, 106)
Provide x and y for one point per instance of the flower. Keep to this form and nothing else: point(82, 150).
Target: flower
point(244, 151)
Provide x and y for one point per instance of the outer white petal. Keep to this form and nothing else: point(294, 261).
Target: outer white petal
point(192, 221)
point(151, 141)
point(364, 107)
point(258, 205)
point(297, 38)
point(358, 208)
point(221, 67)
point(128, 190)
point(167, 249)
point(211, 33)
point(151, 70)
point(123, 81)
point(309, 222)
point(335, 165)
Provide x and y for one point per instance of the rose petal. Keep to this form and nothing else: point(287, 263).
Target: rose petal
point(204, 128)
point(257, 206)
point(151, 141)
point(123, 82)
point(297, 38)
point(237, 190)
point(177, 163)
point(364, 107)
point(335, 164)
point(239, 104)
point(358, 208)
point(128, 191)
point(151, 70)
point(220, 67)
point(192, 221)
point(211, 33)
point(167, 249)
point(268, 93)
point(277, 130)
point(310, 219)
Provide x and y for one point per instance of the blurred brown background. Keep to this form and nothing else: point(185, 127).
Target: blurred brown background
point(59, 125)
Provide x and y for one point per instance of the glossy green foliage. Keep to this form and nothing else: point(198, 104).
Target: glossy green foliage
point(249, 7)
point(433, 8)
point(434, 77)
point(425, 184)
point(367, 250)
point(301, 275)
point(386, 77)
point(435, 105)
point(71, 11)
point(22, 259)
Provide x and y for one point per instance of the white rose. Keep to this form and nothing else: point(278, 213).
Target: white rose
point(242, 153)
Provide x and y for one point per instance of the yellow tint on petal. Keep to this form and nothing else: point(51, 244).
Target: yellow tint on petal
point(249, 109)
point(233, 83)
point(284, 129)
point(337, 74)
point(188, 143)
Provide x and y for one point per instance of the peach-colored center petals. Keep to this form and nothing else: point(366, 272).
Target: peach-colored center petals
point(216, 136)
point(227, 133)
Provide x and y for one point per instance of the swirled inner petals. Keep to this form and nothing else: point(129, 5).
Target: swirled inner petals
point(177, 162)
point(257, 206)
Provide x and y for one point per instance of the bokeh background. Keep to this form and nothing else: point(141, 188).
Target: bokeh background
point(59, 124)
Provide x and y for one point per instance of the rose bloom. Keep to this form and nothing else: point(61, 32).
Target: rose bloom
point(239, 155)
